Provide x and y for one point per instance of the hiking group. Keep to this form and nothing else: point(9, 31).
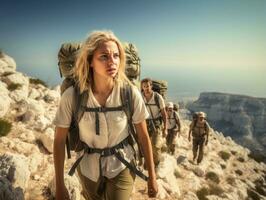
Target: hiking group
point(110, 124)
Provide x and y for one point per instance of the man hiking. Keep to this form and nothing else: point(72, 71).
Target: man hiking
point(156, 122)
point(173, 127)
point(199, 128)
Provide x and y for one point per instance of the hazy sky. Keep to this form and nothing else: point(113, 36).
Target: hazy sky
point(227, 36)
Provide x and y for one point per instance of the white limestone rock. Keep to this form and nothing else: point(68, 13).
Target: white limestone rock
point(190, 196)
point(72, 184)
point(47, 139)
point(34, 93)
point(41, 123)
point(51, 96)
point(166, 171)
point(7, 63)
point(5, 102)
point(17, 78)
point(16, 169)
point(34, 108)
point(8, 192)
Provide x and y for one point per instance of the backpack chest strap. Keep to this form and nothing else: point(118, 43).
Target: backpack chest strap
point(98, 110)
point(108, 152)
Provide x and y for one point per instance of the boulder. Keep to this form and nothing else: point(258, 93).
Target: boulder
point(47, 139)
point(72, 184)
point(15, 168)
point(8, 192)
point(51, 96)
point(41, 123)
point(5, 102)
point(7, 64)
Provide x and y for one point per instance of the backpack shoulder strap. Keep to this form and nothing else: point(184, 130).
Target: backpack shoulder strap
point(156, 99)
point(175, 116)
point(79, 100)
point(77, 111)
point(127, 100)
point(128, 105)
point(206, 126)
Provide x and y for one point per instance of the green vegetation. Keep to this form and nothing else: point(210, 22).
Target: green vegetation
point(36, 81)
point(216, 190)
point(259, 157)
point(164, 148)
point(14, 86)
point(223, 166)
point(177, 174)
point(241, 159)
point(202, 193)
point(231, 180)
point(5, 127)
point(213, 189)
point(233, 152)
point(7, 73)
point(224, 155)
point(256, 170)
point(213, 177)
point(253, 194)
point(260, 185)
point(239, 172)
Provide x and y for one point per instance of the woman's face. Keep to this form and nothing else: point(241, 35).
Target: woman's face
point(106, 60)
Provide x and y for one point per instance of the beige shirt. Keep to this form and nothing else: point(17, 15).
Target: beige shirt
point(156, 112)
point(113, 129)
point(199, 129)
point(171, 121)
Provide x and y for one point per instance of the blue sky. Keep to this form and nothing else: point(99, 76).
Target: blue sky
point(183, 38)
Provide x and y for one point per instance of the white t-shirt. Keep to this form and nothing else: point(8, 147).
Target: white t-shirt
point(113, 129)
point(156, 112)
point(171, 121)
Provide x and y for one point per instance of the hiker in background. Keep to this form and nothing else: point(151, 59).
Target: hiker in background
point(173, 127)
point(199, 128)
point(156, 123)
point(99, 73)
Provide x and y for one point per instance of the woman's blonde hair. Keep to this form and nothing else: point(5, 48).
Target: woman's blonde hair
point(83, 72)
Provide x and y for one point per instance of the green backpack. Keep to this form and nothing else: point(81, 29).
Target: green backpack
point(66, 57)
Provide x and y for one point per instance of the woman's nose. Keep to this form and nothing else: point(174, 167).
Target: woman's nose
point(111, 59)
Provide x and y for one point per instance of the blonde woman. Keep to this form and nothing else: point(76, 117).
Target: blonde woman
point(99, 71)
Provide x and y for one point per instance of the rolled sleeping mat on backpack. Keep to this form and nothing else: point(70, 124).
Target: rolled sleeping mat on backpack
point(160, 86)
point(67, 58)
point(132, 68)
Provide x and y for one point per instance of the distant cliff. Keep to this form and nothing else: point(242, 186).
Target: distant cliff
point(242, 117)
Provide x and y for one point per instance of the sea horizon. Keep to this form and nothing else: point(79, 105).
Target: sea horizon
point(183, 85)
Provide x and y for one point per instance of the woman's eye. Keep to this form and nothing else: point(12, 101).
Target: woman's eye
point(116, 55)
point(104, 57)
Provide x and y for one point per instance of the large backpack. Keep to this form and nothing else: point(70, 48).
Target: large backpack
point(67, 56)
point(160, 86)
point(194, 121)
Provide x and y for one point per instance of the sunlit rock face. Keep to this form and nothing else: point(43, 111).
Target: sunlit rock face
point(242, 117)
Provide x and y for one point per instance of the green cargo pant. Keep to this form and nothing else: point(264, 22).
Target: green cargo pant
point(198, 148)
point(117, 188)
point(170, 138)
point(156, 145)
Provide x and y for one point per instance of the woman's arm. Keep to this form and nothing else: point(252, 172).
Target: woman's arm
point(59, 159)
point(145, 143)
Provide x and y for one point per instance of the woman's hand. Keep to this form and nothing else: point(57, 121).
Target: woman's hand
point(152, 187)
point(62, 193)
